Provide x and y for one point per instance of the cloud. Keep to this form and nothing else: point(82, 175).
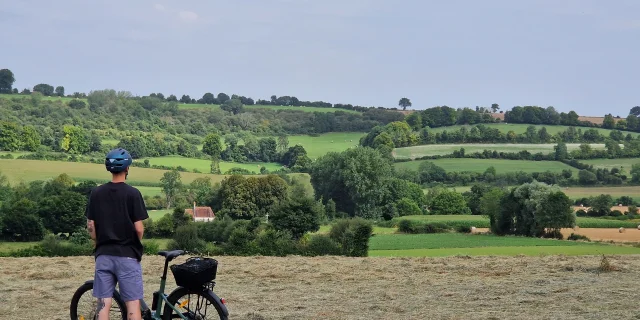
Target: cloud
point(159, 7)
point(188, 15)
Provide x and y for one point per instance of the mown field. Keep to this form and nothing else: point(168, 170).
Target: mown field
point(30, 170)
point(496, 287)
point(443, 149)
point(480, 165)
point(204, 166)
point(521, 128)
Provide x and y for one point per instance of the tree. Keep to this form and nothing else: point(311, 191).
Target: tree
point(30, 138)
point(354, 179)
point(215, 167)
point(63, 213)
point(60, 91)
point(635, 111)
point(608, 122)
point(449, 202)
point(232, 105)
point(212, 145)
point(9, 136)
point(495, 107)
point(297, 216)
point(20, 221)
point(75, 140)
point(171, 186)
point(283, 142)
point(554, 212)
point(490, 205)
point(407, 207)
point(208, 98)
point(172, 97)
point(635, 172)
point(185, 98)
point(6, 80)
point(200, 190)
point(77, 104)
point(561, 152)
point(223, 97)
point(601, 205)
point(404, 103)
point(44, 88)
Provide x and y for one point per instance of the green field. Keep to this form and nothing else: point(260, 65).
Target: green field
point(482, 222)
point(448, 244)
point(522, 128)
point(328, 142)
point(613, 163)
point(150, 191)
point(276, 108)
point(155, 215)
point(205, 165)
point(52, 98)
point(480, 165)
point(444, 149)
point(6, 246)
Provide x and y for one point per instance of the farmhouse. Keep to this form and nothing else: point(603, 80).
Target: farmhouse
point(200, 214)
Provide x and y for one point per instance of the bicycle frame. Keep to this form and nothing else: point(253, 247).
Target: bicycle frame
point(157, 314)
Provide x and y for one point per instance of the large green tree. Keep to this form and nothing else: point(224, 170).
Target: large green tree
point(30, 138)
point(75, 140)
point(171, 186)
point(9, 136)
point(212, 145)
point(297, 216)
point(355, 179)
point(6, 80)
point(404, 103)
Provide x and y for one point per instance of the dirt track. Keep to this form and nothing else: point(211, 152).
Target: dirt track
point(363, 288)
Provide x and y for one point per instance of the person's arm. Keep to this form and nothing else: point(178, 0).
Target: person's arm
point(91, 227)
point(139, 214)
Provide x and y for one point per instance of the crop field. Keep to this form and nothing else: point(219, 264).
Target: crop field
point(480, 165)
point(443, 149)
point(483, 222)
point(498, 287)
point(29, 170)
point(205, 165)
point(521, 128)
point(615, 192)
point(276, 108)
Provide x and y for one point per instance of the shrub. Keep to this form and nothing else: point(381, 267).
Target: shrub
point(186, 238)
point(353, 236)
point(574, 236)
point(415, 227)
point(463, 229)
point(408, 207)
point(80, 237)
point(240, 243)
point(151, 247)
point(553, 234)
point(322, 245)
point(271, 242)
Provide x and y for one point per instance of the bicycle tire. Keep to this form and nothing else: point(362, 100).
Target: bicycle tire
point(179, 292)
point(86, 287)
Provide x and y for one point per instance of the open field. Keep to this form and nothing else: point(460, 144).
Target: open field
point(615, 192)
point(150, 191)
point(29, 170)
point(205, 165)
point(442, 149)
point(480, 165)
point(521, 128)
point(631, 235)
point(363, 288)
point(276, 108)
point(613, 163)
point(157, 214)
point(328, 142)
point(52, 98)
point(483, 222)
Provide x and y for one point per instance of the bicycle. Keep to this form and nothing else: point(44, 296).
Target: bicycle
point(199, 283)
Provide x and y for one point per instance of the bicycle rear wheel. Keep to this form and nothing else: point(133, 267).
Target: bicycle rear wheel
point(83, 304)
point(194, 305)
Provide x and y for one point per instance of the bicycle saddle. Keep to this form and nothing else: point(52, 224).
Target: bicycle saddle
point(170, 254)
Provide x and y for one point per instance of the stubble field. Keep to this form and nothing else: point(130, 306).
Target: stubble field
point(520, 287)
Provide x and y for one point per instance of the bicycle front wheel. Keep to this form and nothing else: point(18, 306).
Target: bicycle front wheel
point(84, 305)
point(200, 305)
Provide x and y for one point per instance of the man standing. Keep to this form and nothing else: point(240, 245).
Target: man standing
point(115, 212)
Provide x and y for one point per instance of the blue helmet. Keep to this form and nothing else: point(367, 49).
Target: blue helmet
point(117, 160)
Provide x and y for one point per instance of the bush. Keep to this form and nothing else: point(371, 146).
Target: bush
point(574, 237)
point(581, 213)
point(186, 238)
point(240, 243)
point(416, 227)
point(151, 247)
point(322, 245)
point(81, 237)
point(463, 229)
point(271, 242)
point(353, 236)
point(408, 207)
point(553, 234)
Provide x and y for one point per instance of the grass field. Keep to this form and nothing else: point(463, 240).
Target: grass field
point(205, 165)
point(480, 165)
point(521, 128)
point(150, 191)
point(328, 142)
point(348, 288)
point(482, 222)
point(613, 163)
point(615, 192)
point(443, 149)
point(276, 108)
point(157, 214)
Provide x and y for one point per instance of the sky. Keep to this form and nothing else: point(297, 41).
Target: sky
point(577, 55)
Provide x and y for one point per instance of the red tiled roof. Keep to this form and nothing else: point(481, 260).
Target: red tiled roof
point(201, 212)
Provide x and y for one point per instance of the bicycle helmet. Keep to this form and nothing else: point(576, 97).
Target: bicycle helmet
point(117, 160)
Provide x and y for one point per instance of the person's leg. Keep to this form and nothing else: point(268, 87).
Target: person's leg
point(131, 288)
point(104, 282)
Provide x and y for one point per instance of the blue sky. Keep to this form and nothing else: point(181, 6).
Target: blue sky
point(577, 55)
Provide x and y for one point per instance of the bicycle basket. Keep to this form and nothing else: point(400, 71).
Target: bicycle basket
point(195, 273)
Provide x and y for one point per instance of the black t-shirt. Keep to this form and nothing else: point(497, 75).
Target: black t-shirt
point(114, 207)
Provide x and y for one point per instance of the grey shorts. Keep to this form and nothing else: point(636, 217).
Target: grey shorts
point(127, 272)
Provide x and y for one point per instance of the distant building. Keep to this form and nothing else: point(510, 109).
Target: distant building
point(200, 214)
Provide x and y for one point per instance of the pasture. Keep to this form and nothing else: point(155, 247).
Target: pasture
point(444, 149)
point(329, 142)
point(204, 165)
point(613, 163)
point(480, 165)
point(275, 108)
point(466, 287)
point(615, 192)
point(522, 128)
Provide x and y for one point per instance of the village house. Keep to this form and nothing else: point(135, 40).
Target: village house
point(200, 214)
